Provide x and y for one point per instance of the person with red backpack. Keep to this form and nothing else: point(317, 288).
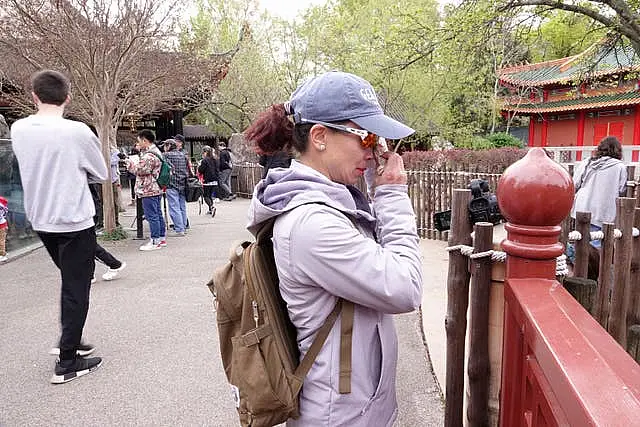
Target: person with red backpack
point(147, 170)
point(330, 245)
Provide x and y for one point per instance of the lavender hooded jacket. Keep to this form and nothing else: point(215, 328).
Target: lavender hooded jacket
point(321, 255)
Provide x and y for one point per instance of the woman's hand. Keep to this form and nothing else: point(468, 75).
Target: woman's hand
point(394, 172)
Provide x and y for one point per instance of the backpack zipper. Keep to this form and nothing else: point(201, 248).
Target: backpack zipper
point(256, 315)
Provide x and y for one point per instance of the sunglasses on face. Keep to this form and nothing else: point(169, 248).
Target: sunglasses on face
point(368, 140)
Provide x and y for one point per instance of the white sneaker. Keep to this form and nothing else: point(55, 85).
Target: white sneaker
point(163, 242)
point(112, 273)
point(3, 258)
point(150, 246)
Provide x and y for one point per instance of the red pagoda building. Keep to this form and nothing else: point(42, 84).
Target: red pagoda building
point(578, 100)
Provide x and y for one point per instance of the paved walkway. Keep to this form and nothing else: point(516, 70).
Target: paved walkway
point(155, 328)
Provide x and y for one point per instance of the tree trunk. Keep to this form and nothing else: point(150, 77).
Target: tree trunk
point(107, 135)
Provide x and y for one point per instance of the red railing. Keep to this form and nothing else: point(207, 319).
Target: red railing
point(559, 367)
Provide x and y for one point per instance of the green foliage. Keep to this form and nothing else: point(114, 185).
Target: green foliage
point(502, 139)
point(561, 34)
point(494, 160)
point(116, 234)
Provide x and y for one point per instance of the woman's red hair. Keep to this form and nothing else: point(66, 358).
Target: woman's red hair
point(272, 131)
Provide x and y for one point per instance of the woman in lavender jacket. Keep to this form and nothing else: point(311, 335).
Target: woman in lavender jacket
point(330, 242)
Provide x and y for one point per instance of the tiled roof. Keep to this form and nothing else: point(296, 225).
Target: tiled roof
point(587, 103)
point(607, 59)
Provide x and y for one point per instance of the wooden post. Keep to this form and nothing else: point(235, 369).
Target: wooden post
point(583, 225)
point(621, 292)
point(631, 173)
point(633, 315)
point(601, 305)
point(478, 362)
point(633, 347)
point(582, 289)
point(457, 303)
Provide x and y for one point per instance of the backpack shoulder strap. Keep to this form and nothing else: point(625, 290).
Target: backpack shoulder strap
point(346, 329)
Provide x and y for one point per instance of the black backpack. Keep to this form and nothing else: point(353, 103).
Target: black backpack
point(193, 190)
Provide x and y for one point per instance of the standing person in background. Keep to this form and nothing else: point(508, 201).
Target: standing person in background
point(225, 167)
point(177, 186)
point(598, 181)
point(134, 154)
point(115, 182)
point(147, 169)
point(210, 177)
point(56, 156)
point(331, 246)
point(4, 228)
point(179, 139)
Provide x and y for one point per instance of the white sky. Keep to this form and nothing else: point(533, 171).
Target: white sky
point(288, 9)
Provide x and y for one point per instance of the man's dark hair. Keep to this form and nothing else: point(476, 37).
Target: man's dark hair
point(147, 134)
point(51, 87)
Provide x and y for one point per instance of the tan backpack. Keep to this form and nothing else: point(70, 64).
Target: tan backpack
point(257, 339)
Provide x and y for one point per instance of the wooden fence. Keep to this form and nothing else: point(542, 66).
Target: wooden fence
point(430, 191)
point(613, 296)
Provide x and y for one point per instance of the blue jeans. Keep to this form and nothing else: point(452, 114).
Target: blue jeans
point(177, 209)
point(153, 214)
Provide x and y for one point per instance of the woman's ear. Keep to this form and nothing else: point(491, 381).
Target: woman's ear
point(318, 137)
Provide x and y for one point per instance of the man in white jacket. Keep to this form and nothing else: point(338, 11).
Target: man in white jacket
point(56, 158)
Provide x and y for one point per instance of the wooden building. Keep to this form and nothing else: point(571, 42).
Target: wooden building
point(576, 101)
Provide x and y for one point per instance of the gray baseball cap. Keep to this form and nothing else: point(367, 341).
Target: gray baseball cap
point(337, 96)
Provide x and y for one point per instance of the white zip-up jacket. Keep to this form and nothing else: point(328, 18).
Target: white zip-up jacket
point(324, 248)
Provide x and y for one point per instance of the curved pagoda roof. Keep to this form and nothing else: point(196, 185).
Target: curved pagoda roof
point(599, 60)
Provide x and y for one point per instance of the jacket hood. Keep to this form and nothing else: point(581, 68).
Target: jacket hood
point(604, 162)
point(286, 189)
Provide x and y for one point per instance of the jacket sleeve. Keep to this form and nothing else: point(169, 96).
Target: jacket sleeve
point(147, 163)
point(622, 183)
point(94, 163)
point(326, 249)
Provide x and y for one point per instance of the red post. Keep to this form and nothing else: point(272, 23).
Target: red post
point(580, 137)
point(532, 126)
point(545, 127)
point(559, 366)
point(636, 134)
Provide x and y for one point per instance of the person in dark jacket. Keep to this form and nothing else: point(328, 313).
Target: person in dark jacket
point(210, 174)
point(225, 167)
point(278, 159)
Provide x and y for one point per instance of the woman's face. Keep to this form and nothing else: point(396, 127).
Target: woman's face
point(345, 157)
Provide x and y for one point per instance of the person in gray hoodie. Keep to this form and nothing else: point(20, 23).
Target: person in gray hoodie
point(57, 158)
point(599, 180)
point(330, 242)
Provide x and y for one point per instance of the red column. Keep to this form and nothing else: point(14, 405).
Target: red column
point(636, 134)
point(532, 247)
point(545, 126)
point(559, 367)
point(580, 138)
point(532, 124)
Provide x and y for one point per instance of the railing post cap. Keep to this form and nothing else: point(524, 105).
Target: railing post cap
point(535, 191)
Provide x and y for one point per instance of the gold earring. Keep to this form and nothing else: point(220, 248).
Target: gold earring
point(322, 147)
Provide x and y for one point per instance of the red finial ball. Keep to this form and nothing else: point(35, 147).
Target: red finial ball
point(535, 190)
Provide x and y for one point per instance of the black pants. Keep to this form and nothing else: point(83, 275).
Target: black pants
point(96, 195)
point(208, 192)
point(106, 258)
point(73, 253)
